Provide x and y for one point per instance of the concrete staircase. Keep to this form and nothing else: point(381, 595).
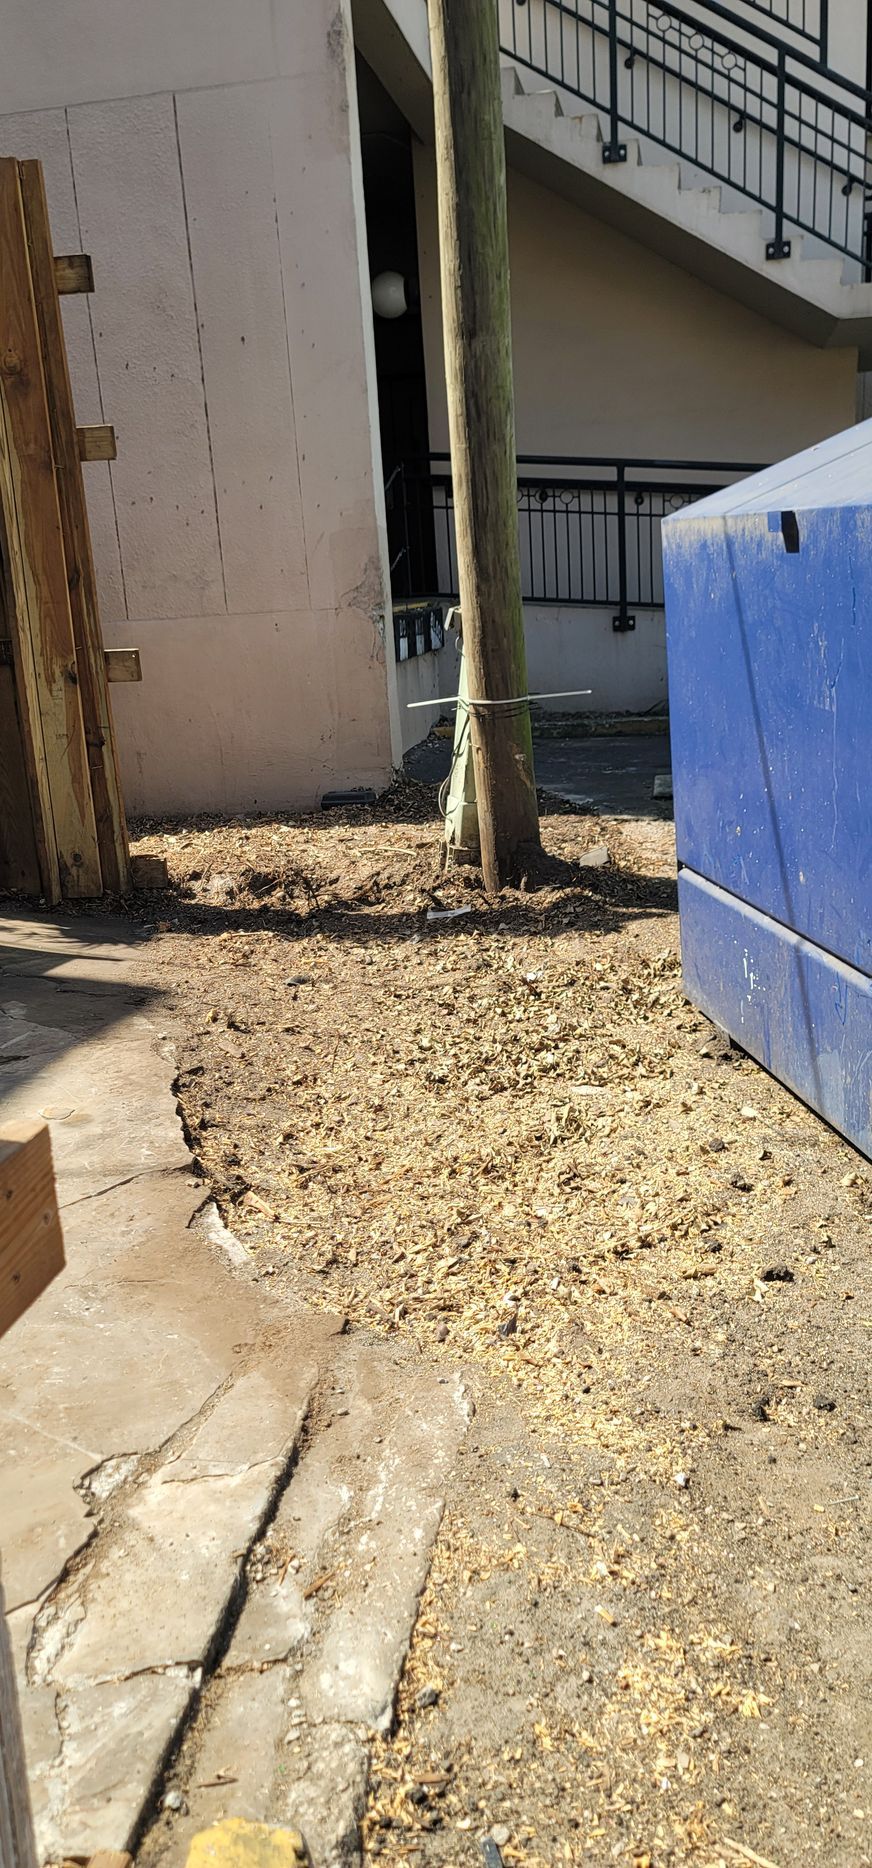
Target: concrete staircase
point(698, 224)
point(703, 226)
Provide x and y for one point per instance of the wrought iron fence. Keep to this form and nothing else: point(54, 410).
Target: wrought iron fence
point(807, 19)
point(589, 530)
point(737, 102)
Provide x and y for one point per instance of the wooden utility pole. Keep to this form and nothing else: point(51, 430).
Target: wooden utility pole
point(474, 250)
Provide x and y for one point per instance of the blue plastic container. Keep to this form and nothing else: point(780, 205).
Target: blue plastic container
point(769, 627)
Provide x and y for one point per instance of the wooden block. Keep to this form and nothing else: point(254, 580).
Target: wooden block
point(123, 665)
point(73, 272)
point(110, 1858)
point(31, 1242)
point(16, 1827)
point(149, 872)
point(97, 442)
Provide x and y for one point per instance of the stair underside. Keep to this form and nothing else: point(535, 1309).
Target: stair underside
point(644, 199)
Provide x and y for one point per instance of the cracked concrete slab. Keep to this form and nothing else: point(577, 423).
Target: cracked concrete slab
point(175, 1562)
point(44, 1520)
point(113, 1738)
point(150, 1402)
point(316, 1656)
point(384, 1552)
point(152, 1406)
point(322, 1790)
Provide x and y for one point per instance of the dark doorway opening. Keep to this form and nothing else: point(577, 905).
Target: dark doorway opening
point(392, 241)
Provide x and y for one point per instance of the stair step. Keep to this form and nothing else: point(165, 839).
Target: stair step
point(672, 188)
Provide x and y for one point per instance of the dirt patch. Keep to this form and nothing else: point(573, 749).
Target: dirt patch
point(505, 1135)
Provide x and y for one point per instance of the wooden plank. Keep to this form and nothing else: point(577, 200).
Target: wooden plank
point(96, 442)
point(123, 665)
point(38, 543)
point(19, 858)
point(17, 598)
point(31, 1243)
point(110, 829)
point(17, 1849)
point(73, 272)
point(110, 1858)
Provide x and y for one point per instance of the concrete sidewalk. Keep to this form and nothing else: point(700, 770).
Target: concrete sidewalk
point(152, 1408)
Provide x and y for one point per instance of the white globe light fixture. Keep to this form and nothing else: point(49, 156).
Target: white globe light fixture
point(389, 295)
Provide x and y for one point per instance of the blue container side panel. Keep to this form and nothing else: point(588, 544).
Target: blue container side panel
point(770, 687)
point(802, 1014)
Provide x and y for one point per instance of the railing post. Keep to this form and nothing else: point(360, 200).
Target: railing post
point(824, 34)
point(778, 247)
point(623, 621)
point(614, 150)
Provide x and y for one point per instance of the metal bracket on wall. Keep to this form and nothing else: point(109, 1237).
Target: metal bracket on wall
point(614, 152)
point(778, 249)
point(621, 624)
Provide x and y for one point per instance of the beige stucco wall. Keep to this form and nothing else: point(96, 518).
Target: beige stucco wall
point(618, 352)
point(206, 155)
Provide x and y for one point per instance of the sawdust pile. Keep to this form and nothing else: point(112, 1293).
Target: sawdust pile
point(508, 1136)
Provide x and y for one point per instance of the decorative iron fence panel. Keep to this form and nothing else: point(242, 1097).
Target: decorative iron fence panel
point(589, 531)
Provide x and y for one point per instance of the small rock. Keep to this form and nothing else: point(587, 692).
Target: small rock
point(428, 1696)
point(417, 1794)
point(740, 1183)
point(501, 1834)
point(509, 1327)
point(682, 1480)
point(174, 1800)
point(300, 979)
point(716, 1146)
point(824, 1404)
point(441, 1332)
point(760, 1408)
point(595, 858)
point(777, 1274)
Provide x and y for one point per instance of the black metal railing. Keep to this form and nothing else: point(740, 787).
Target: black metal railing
point(807, 19)
point(589, 530)
point(731, 97)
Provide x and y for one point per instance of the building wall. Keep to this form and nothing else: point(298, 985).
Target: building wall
point(618, 352)
point(206, 155)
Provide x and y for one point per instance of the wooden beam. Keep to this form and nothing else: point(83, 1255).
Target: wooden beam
point(37, 541)
point(96, 442)
point(17, 1849)
point(19, 853)
point(104, 781)
point(17, 599)
point(73, 272)
point(31, 1242)
point(122, 665)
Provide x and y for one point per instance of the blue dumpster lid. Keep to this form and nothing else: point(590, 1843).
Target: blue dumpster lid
point(835, 472)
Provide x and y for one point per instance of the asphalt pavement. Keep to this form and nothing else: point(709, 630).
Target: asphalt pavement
point(613, 775)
